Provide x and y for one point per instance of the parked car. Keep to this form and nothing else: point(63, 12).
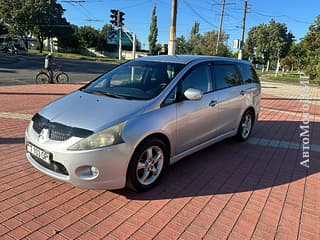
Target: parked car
point(125, 127)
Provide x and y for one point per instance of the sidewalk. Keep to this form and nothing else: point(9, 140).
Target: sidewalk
point(252, 190)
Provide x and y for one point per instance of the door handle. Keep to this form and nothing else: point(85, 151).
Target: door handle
point(242, 92)
point(213, 103)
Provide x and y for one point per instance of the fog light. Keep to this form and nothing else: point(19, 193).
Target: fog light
point(87, 172)
point(94, 171)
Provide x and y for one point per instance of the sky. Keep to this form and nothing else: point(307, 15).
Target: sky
point(296, 14)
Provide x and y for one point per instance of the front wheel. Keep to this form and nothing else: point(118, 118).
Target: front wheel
point(147, 165)
point(245, 126)
point(62, 78)
point(42, 78)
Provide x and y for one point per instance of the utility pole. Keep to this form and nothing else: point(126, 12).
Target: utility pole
point(172, 40)
point(134, 40)
point(243, 28)
point(220, 27)
point(120, 33)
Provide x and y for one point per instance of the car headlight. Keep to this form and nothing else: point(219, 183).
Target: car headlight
point(107, 137)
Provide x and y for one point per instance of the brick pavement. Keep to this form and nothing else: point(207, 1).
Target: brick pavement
point(253, 190)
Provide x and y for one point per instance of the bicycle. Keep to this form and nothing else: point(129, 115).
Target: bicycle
point(57, 76)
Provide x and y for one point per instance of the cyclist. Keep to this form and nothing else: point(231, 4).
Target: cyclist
point(48, 62)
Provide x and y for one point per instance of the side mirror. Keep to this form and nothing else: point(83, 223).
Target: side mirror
point(193, 94)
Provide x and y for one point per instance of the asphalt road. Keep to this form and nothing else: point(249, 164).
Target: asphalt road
point(21, 70)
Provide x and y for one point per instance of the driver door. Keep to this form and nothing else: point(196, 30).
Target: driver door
point(196, 119)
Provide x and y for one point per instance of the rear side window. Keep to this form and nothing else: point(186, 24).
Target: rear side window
point(226, 75)
point(255, 76)
point(248, 73)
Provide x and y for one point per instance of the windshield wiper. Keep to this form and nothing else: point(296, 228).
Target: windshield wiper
point(99, 92)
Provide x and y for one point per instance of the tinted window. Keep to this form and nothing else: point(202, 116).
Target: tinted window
point(198, 78)
point(254, 75)
point(248, 73)
point(226, 75)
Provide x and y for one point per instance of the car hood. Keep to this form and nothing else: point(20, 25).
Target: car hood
point(89, 111)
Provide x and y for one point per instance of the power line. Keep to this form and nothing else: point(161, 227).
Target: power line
point(198, 14)
point(135, 5)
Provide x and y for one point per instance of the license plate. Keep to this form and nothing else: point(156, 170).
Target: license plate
point(39, 153)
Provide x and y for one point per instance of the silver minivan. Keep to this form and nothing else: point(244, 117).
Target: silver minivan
point(124, 128)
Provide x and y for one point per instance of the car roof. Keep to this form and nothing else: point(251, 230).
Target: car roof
point(185, 59)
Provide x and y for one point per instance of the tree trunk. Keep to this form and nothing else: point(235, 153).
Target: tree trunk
point(26, 42)
point(40, 39)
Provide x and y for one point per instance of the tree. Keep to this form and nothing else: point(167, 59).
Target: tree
point(269, 41)
point(3, 29)
point(295, 58)
point(153, 34)
point(69, 41)
point(15, 15)
point(181, 45)
point(88, 36)
point(208, 44)
point(194, 39)
point(42, 18)
point(311, 45)
point(47, 19)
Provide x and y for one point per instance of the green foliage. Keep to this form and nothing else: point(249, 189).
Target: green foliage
point(15, 15)
point(153, 34)
point(42, 18)
point(3, 29)
point(88, 36)
point(202, 44)
point(69, 41)
point(194, 39)
point(208, 44)
point(267, 41)
point(181, 45)
point(311, 46)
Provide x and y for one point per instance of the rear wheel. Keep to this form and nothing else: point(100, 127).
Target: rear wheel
point(245, 126)
point(62, 78)
point(42, 78)
point(147, 165)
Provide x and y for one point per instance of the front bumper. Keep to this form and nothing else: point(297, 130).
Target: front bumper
point(74, 167)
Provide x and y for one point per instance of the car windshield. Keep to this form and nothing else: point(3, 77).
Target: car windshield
point(141, 80)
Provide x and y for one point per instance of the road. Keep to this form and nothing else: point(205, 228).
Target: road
point(21, 70)
point(231, 190)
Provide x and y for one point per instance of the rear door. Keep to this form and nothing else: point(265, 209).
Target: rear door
point(231, 101)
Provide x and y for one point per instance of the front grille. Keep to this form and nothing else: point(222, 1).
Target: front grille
point(53, 166)
point(58, 131)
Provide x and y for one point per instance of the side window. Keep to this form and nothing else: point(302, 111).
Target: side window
point(255, 76)
point(226, 75)
point(246, 73)
point(198, 78)
point(171, 98)
point(249, 75)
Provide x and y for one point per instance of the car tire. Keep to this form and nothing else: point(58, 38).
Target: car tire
point(147, 165)
point(245, 126)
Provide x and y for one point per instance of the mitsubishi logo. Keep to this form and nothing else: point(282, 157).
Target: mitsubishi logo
point(44, 135)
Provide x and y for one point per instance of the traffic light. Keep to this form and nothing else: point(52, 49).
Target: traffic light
point(120, 19)
point(114, 17)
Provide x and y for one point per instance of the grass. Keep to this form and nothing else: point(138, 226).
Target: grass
point(77, 56)
point(292, 77)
